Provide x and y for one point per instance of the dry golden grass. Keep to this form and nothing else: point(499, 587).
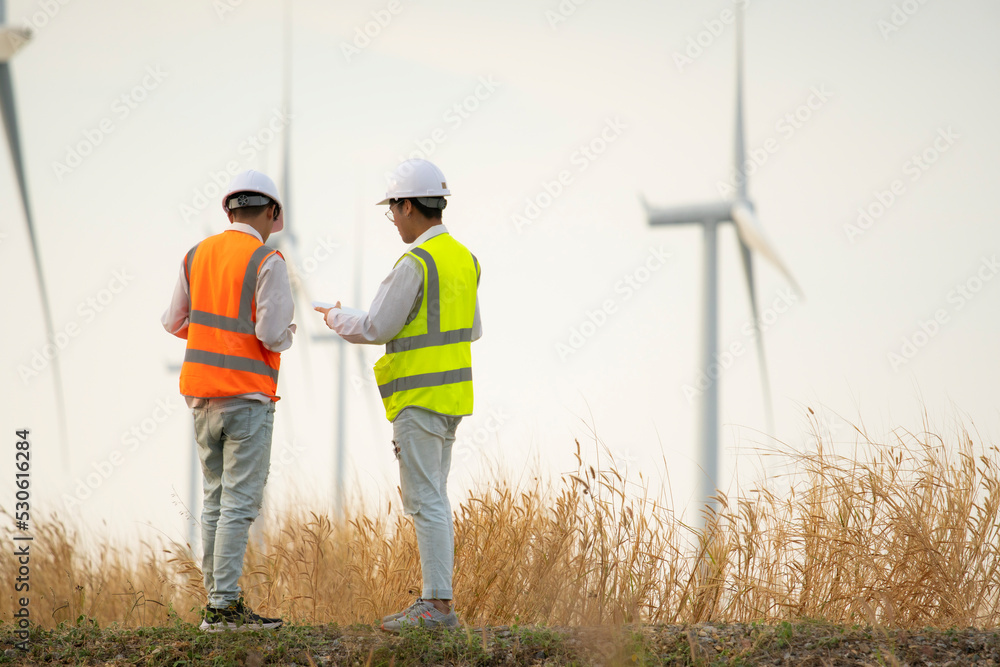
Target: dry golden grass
point(903, 534)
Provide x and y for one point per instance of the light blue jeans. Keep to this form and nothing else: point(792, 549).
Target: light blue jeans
point(234, 445)
point(422, 442)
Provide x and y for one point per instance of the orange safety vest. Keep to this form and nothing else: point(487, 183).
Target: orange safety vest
point(224, 357)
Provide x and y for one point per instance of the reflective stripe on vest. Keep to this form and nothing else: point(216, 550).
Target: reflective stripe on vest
point(425, 380)
point(224, 356)
point(231, 362)
point(428, 363)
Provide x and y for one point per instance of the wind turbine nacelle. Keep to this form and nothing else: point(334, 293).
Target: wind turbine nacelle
point(11, 41)
point(714, 212)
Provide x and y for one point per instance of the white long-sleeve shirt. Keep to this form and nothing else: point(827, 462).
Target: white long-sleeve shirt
point(275, 308)
point(396, 303)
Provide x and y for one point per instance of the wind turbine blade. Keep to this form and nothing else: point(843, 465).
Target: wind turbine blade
point(765, 379)
point(751, 234)
point(739, 152)
point(14, 141)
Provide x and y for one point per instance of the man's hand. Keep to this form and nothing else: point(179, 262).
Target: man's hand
point(326, 311)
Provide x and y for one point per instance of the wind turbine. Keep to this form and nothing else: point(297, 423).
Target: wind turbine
point(300, 292)
point(363, 367)
point(340, 416)
point(298, 285)
point(740, 211)
point(287, 240)
point(11, 40)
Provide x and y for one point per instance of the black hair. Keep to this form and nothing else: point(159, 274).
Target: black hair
point(426, 211)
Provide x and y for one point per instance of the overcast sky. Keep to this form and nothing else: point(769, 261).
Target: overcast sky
point(871, 127)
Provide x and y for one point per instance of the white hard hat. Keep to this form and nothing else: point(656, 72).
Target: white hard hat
point(416, 178)
point(254, 181)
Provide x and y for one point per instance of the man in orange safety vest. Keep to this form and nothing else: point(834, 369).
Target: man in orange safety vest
point(233, 305)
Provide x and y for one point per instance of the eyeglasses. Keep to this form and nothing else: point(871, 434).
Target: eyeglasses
point(389, 214)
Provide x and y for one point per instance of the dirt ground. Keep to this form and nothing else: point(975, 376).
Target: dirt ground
point(802, 643)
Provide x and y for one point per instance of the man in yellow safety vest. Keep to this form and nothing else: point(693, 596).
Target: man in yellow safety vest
point(426, 313)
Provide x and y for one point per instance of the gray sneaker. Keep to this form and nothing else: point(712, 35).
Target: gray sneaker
point(422, 614)
point(400, 614)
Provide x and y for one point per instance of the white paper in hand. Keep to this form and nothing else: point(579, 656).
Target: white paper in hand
point(323, 304)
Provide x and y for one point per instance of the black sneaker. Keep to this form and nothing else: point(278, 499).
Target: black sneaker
point(236, 616)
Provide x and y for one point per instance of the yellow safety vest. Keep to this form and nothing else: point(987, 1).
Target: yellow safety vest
point(429, 362)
